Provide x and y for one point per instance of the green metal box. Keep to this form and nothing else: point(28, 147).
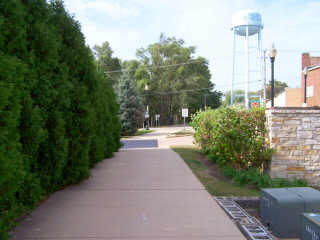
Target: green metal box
point(281, 209)
point(310, 226)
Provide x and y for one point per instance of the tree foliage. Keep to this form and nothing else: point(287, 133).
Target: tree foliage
point(175, 77)
point(279, 87)
point(129, 105)
point(233, 137)
point(107, 62)
point(239, 97)
point(58, 112)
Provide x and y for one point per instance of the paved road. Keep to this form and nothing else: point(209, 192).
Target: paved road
point(141, 193)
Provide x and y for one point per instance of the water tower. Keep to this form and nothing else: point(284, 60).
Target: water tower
point(247, 51)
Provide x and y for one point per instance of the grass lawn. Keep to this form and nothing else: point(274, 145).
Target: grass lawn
point(214, 182)
point(142, 131)
point(184, 133)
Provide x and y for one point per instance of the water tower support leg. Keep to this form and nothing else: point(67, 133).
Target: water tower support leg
point(233, 69)
point(247, 69)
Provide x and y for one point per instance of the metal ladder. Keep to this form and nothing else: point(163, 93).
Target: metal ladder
point(249, 225)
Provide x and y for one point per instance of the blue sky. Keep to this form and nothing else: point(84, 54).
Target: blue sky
point(293, 25)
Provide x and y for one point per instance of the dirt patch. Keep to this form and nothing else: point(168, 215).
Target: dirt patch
point(215, 172)
point(212, 168)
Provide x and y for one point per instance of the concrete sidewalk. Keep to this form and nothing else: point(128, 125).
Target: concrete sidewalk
point(138, 194)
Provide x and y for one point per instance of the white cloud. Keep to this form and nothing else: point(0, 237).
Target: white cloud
point(130, 24)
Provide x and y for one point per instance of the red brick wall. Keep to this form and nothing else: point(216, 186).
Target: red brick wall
point(313, 79)
point(315, 61)
point(308, 61)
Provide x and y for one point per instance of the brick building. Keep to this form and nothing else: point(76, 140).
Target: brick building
point(293, 97)
point(290, 97)
point(313, 80)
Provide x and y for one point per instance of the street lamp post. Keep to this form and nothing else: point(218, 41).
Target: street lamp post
point(305, 73)
point(272, 55)
point(146, 88)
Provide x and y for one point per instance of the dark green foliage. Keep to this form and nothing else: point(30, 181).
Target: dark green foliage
point(129, 105)
point(107, 62)
point(58, 113)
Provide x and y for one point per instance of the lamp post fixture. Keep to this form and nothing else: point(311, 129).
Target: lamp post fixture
point(272, 55)
point(146, 88)
point(305, 73)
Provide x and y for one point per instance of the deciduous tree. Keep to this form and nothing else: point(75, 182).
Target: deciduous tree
point(176, 78)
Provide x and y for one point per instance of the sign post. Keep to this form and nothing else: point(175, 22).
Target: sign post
point(184, 115)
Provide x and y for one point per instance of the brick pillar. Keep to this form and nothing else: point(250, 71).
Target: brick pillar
point(294, 134)
point(305, 60)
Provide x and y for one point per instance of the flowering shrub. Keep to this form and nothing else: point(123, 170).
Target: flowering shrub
point(233, 137)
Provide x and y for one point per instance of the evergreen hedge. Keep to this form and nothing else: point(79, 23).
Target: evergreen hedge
point(58, 113)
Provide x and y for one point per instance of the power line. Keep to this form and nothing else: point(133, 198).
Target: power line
point(179, 91)
point(159, 66)
point(237, 83)
point(195, 61)
point(193, 90)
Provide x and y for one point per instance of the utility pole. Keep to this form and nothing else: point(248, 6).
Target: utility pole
point(265, 78)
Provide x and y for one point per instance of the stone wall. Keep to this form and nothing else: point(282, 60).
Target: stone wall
point(295, 135)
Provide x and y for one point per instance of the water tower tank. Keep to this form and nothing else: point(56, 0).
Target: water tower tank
point(246, 19)
point(247, 27)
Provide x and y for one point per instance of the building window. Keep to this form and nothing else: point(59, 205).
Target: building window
point(309, 91)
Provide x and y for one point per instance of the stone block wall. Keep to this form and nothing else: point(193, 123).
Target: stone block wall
point(295, 135)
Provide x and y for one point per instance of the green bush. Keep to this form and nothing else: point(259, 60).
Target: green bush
point(58, 112)
point(233, 137)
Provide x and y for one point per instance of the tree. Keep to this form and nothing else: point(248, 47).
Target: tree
point(238, 97)
point(130, 67)
point(129, 105)
point(107, 62)
point(176, 79)
point(58, 112)
point(279, 87)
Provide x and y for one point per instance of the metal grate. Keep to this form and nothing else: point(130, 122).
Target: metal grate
point(249, 225)
point(147, 143)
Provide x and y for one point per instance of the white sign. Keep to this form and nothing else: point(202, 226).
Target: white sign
point(146, 115)
point(309, 91)
point(184, 112)
point(157, 116)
